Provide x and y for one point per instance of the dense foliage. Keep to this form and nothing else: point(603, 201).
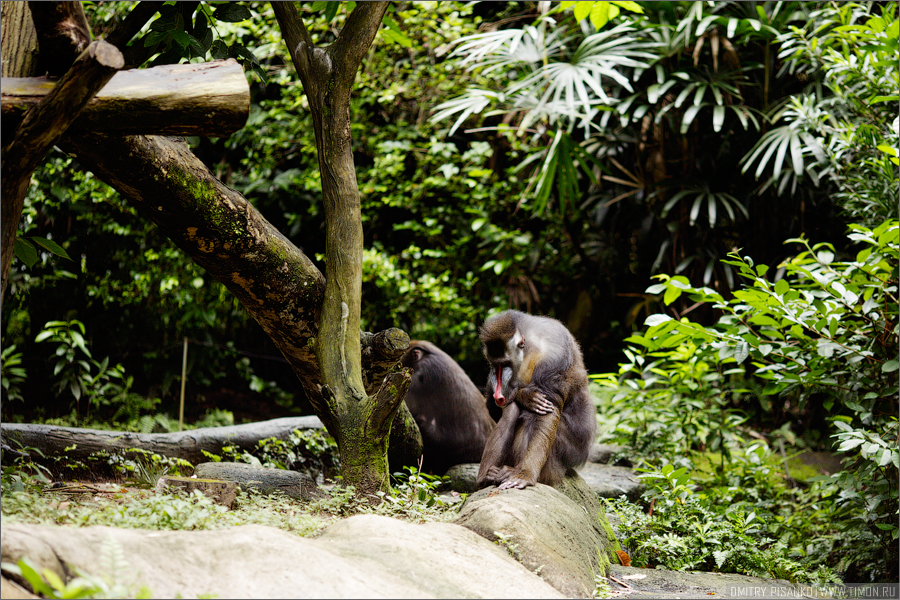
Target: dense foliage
point(805, 352)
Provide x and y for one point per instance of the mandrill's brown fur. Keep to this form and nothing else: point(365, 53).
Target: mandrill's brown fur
point(549, 421)
point(449, 410)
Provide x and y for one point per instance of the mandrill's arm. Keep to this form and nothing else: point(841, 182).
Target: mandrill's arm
point(537, 433)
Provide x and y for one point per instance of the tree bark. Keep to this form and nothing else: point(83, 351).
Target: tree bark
point(327, 75)
point(18, 40)
point(40, 129)
point(210, 99)
point(55, 441)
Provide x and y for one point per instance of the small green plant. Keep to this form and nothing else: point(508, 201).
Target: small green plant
point(12, 373)
point(144, 468)
point(82, 376)
point(415, 490)
point(48, 584)
point(22, 472)
point(310, 451)
point(506, 541)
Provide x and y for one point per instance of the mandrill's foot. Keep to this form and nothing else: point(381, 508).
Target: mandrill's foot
point(498, 475)
point(518, 480)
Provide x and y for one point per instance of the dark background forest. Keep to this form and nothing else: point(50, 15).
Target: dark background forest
point(452, 227)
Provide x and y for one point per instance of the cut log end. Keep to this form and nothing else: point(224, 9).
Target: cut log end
point(106, 54)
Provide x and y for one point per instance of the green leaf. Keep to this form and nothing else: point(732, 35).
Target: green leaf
point(672, 294)
point(583, 9)
point(782, 287)
point(396, 34)
point(654, 320)
point(219, 50)
point(600, 13)
point(50, 246)
point(331, 9)
point(741, 352)
point(850, 444)
point(26, 252)
point(890, 366)
point(231, 12)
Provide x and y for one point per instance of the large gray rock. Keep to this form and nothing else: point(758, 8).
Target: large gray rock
point(611, 482)
point(364, 556)
point(602, 453)
point(560, 534)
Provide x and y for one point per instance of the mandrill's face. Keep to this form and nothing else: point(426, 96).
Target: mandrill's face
point(506, 359)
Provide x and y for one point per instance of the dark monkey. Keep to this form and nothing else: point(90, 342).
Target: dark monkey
point(450, 411)
point(538, 377)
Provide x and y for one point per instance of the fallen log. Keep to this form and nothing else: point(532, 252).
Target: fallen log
point(78, 444)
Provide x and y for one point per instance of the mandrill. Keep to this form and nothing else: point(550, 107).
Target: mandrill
point(449, 410)
point(538, 377)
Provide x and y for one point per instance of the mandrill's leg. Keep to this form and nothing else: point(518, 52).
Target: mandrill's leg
point(533, 442)
point(498, 448)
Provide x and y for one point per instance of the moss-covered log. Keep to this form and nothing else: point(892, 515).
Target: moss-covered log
point(223, 233)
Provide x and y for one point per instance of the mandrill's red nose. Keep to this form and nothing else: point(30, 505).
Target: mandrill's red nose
point(498, 393)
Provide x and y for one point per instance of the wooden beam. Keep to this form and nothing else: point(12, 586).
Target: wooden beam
point(39, 130)
point(210, 99)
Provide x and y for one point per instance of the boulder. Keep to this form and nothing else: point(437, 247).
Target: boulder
point(603, 453)
point(606, 480)
point(611, 482)
point(365, 556)
point(560, 534)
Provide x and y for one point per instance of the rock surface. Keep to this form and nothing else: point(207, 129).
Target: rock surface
point(611, 482)
point(606, 480)
point(365, 556)
point(560, 534)
point(655, 583)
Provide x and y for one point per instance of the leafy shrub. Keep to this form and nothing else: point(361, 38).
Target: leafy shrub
point(823, 334)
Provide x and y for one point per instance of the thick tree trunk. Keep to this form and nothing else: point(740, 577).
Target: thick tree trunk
point(18, 41)
point(211, 99)
point(327, 74)
point(79, 444)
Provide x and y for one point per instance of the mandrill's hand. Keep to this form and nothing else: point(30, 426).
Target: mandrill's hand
point(534, 400)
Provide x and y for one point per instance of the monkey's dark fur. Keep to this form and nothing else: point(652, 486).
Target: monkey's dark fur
point(450, 411)
point(549, 421)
